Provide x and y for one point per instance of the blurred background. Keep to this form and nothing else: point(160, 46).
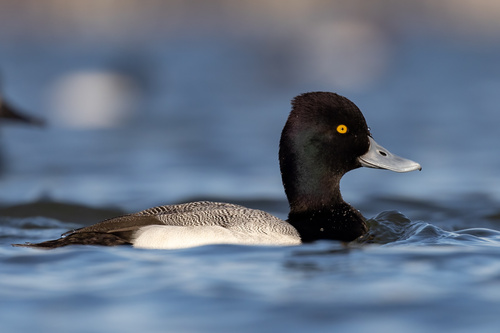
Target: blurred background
point(152, 102)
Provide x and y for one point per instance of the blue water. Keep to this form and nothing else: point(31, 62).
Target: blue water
point(206, 126)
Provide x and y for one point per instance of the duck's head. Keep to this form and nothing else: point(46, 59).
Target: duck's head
point(325, 136)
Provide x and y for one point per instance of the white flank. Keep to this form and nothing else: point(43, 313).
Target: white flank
point(176, 237)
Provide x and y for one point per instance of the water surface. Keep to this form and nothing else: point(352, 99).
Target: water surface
point(431, 261)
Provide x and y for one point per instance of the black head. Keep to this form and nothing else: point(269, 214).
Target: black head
point(326, 136)
point(323, 137)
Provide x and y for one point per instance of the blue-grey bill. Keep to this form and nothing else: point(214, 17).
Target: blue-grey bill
point(380, 158)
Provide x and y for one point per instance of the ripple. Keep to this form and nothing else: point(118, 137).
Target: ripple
point(394, 228)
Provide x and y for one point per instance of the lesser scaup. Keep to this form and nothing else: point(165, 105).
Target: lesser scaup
point(325, 136)
point(8, 112)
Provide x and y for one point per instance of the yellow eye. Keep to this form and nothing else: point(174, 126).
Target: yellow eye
point(342, 129)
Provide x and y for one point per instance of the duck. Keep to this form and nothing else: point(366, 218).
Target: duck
point(325, 136)
point(10, 113)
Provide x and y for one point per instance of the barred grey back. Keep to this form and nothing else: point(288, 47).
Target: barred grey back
point(233, 217)
point(186, 208)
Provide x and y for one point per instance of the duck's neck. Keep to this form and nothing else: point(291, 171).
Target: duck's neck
point(310, 179)
point(337, 222)
point(311, 193)
point(321, 213)
point(317, 210)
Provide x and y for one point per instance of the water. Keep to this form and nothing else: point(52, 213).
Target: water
point(207, 126)
point(416, 277)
